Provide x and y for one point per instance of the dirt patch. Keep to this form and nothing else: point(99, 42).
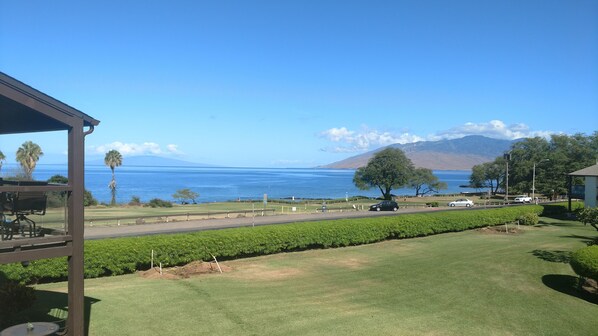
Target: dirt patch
point(264, 273)
point(193, 268)
point(500, 229)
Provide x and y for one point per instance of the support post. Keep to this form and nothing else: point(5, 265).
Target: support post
point(76, 293)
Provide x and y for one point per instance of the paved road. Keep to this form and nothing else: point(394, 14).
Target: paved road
point(100, 232)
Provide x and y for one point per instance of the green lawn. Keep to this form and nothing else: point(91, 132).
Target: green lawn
point(468, 283)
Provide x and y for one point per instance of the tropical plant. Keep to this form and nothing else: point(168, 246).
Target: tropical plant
point(185, 194)
point(388, 169)
point(27, 156)
point(113, 159)
point(2, 158)
point(424, 182)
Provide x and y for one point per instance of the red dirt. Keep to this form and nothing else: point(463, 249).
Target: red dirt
point(193, 268)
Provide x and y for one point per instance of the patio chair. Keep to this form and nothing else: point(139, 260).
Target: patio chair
point(21, 204)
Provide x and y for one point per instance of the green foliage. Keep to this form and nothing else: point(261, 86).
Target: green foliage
point(388, 169)
point(185, 194)
point(432, 204)
point(588, 216)
point(27, 156)
point(125, 255)
point(159, 203)
point(585, 262)
point(14, 297)
point(530, 218)
point(425, 182)
point(488, 175)
point(135, 200)
point(58, 199)
point(113, 159)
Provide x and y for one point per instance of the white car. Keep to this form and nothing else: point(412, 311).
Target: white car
point(522, 199)
point(461, 202)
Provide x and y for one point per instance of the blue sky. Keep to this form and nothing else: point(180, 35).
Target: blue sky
point(302, 83)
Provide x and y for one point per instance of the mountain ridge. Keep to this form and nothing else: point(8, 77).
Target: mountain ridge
point(455, 154)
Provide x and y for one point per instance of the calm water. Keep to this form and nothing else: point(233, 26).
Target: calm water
point(224, 184)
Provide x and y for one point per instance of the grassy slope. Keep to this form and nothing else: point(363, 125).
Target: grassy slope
point(467, 283)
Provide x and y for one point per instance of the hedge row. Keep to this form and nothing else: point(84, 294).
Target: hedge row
point(585, 262)
point(126, 255)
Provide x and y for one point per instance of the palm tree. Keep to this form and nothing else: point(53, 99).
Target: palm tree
point(2, 158)
point(113, 159)
point(28, 155)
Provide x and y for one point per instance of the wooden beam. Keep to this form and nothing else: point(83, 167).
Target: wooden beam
point(76, 165)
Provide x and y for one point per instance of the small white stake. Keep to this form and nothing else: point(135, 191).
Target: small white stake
point(217, 264)
point(160, 268)
point(152, 262)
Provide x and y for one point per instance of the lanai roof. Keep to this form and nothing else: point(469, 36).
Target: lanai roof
point(24, 109)
point(588, 171)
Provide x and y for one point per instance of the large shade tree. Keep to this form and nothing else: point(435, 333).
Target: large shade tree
point(489, 175)
point(388, 169)
point(113, 159)
point(539, 163)
point(425, 182)
point(27, 156)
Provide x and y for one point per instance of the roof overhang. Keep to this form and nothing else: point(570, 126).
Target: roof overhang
point(24, 109)
point(588, 171)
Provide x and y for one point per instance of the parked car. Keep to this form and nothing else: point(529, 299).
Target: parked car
point(522, 199)
point(385, 206)
point(461, 202)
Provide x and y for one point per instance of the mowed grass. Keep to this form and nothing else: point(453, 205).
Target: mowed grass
point(467, 283)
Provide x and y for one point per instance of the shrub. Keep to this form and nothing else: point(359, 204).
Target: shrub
point(588, 216)
point(530, 218)
point(158, 203)
point(18, 296)
point(128, 254)
point(585, 262)
point(432, 204)
point(135, 200)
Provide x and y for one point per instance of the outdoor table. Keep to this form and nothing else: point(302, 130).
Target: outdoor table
point(39, 329)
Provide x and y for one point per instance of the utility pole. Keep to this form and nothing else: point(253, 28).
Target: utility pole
point(507, 157)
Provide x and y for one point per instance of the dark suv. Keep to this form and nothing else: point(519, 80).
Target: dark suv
point(385, 205)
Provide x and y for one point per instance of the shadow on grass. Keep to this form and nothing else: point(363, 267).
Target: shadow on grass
point(588, 240)
point(553, 256)
point(50, 306)
point(568, 284)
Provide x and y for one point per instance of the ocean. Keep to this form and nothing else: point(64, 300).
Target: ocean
point(228, 184)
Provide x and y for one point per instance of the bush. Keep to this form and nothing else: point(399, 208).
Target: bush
point(530, 218)
point(432, 204)
point(588, 216)
point(585, 262)
point(126, 255)
point(158, 203)
point(18, 296)
point(135, 200)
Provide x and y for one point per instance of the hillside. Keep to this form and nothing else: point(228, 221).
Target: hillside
point(456, 154)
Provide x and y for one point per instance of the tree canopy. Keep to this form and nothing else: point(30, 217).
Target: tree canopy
point(553, 159)
point(113, 159)
point(424, 182)
point(185, 194)
point(388, 169)
point(27, 156)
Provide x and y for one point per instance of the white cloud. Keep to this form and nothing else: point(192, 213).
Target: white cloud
point(358, 141)
point(128, 149)
point(493, 129)
point(174, 149)
point(363, 140)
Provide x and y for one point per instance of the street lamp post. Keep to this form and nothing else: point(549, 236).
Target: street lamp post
point(507, 157)
point(534, 180)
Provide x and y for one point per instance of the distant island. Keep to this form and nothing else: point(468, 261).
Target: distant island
point(455, 154)
point(153, 161)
